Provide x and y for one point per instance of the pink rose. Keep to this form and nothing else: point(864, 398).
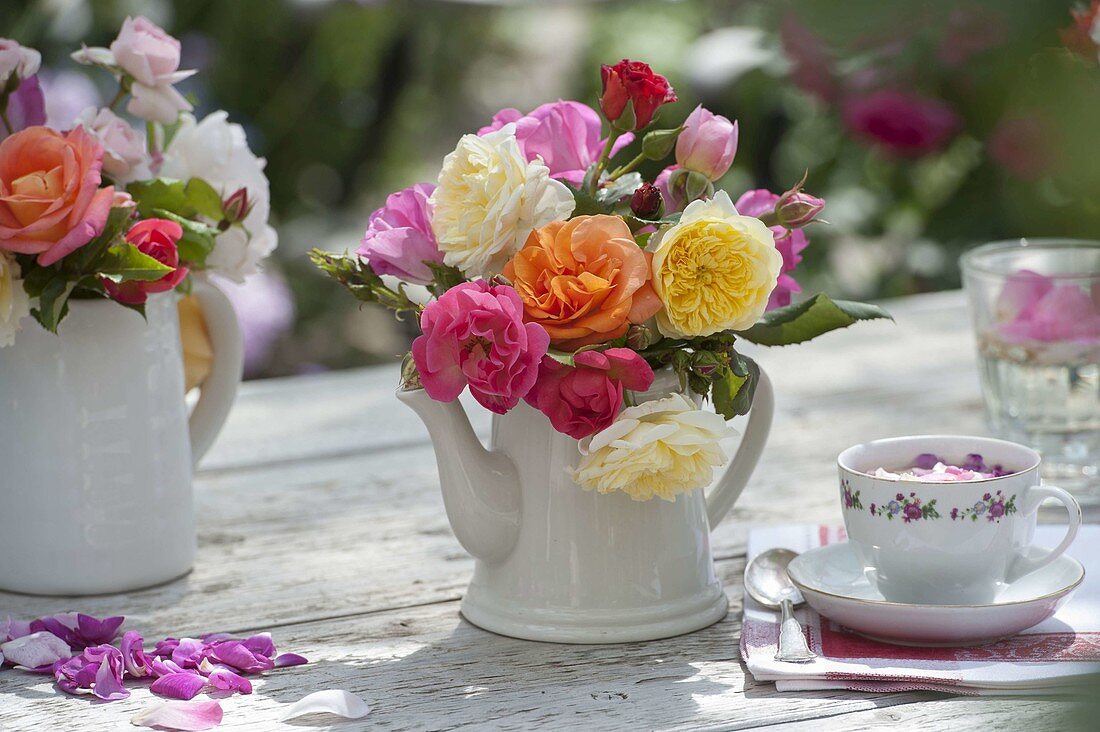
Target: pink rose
point(566, 135)
point(707, 144)
point(1060, 313)
point(399, 236)
point(584, 399)
point(673, 200)
point(902, 123)
point(146, 52)
point(158, 238)
point(123, 148)
point(152, 57)
point(474, 335)
point(789, 243)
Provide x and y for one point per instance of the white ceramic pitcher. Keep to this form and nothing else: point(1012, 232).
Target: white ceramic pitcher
point(96, 447)
point(558, 563)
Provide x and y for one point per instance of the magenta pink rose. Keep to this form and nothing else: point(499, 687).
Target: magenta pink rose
point(707, 144)
point(474, 335)
point(902, 123)
point(789, 243)
point(583, 399)
point(399, 238)
point(158, 238)
point(565, 134)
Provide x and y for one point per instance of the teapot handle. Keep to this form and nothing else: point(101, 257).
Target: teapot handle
point(726, 491)
point(219, 389)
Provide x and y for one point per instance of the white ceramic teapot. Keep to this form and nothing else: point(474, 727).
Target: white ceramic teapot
point(558, 563)
point(97, 449)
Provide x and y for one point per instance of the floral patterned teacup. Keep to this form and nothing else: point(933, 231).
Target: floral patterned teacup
point(941, 543)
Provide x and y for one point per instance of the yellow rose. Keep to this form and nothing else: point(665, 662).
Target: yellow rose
point(663, 447)
point(714, 270)
point(14, 303)
point(489, 199)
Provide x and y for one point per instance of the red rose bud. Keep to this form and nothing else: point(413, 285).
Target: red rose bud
point(646, 202)
point(634, 82)
point(158, 239)
point(237, 206)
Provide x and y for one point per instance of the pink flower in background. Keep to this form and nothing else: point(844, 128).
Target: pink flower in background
point(565, 134)
point(264, 305)
point(399, 236)
point(123, 147)
point(707, 144)
point(474, 335)
point(584, 399)
point(1023, 146)
point(902, 123)
point(26, 106)
point(789, 243)
point(811, 63)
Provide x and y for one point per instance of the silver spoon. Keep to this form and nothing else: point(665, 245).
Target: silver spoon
point(767, 582)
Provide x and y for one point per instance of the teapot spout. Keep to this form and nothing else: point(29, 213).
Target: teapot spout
point(481, 489)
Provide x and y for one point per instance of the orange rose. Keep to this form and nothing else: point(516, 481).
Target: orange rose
point(583, 280)
point(50, 199)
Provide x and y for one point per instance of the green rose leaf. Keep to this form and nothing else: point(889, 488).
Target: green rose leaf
point(160, 193)
point(585, 204)
point(198, 238)
point(563, 357)
point(733, 386)
point(125, 262)
point(202, 199)
point(85, 259)
point(53, 302)
point(658, 144)
point(808, 319)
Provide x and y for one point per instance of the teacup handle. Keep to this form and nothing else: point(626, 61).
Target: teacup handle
point(1026, 565)
point(721, 499)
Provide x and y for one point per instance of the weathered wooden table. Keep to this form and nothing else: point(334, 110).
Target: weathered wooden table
point(320, 520)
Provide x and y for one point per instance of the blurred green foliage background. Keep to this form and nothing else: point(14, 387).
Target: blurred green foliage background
point(993, 136)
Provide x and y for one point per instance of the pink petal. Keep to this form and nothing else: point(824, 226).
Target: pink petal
point(260, 643)
point(236, 655)
point(108, 681)
point(329, 701)
point(35, 650)
point(180, 715)
point(289, 659)
point(183, 685)
point(226, 679)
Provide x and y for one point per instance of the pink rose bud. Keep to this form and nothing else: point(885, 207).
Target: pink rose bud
point(237, 206)
point(796, 209)
point(646, 202)
point(146, 52)
point(157, 238)
point(707, 144)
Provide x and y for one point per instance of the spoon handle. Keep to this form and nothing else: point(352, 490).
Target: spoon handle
point(792, 643)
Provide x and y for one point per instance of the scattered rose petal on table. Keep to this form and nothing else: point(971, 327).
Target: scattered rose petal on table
point(37, 650)
point(187, 716)
point(181, 685)
point(98, 670)
point(133, 654)
point(224, 678)
point(290, 659)
point(329, 701)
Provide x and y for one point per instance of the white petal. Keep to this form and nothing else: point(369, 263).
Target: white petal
point(329, 701)
point(189, 716)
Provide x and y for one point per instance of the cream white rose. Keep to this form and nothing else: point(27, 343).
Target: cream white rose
point(14, 302)
point(713, 270)
point(489, 199)
point(662, 448)
point(217, 151)
point(124, 155)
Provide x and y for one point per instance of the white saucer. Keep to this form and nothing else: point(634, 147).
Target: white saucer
point(832, 580)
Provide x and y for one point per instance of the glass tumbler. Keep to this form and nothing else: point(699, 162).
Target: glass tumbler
point(1035, 306)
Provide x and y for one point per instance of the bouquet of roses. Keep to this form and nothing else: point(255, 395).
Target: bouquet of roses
point(564, 280)
point(94, 211)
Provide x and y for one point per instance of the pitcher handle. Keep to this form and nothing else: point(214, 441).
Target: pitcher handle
point(726, 491)
point(1026, 565)
point(217, 392)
